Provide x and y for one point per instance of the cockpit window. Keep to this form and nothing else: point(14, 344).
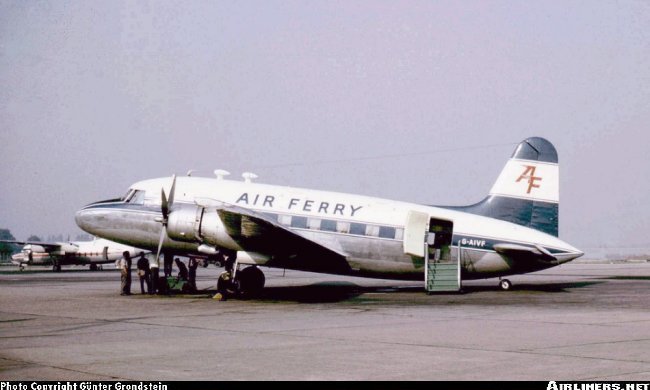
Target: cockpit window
point(127, 196)
point(137, 197)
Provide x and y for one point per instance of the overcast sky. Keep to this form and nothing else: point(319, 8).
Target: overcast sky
point(95, 95)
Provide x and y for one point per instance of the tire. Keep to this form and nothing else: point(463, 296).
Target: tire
point(251, 281)
point(505, 284)
point(162, 286)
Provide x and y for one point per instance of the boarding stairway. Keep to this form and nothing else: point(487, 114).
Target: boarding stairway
point(431, 239)
point(442, 275)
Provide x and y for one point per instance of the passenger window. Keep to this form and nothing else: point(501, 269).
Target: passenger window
point(313, 223)
point(386, 232)
point(372, 231)
point(271, 216)
point(299, 222)
point(358, 228)
point(284, 219)
point(327, 225)
point(343, 227)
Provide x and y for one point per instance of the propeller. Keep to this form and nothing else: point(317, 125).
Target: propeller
point(165, 207)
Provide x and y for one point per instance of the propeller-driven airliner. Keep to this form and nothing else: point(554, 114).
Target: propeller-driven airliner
point(514, 230)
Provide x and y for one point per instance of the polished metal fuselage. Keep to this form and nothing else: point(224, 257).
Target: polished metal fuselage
point(139, 225)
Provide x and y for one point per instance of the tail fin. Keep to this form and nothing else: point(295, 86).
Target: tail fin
point(527, 190)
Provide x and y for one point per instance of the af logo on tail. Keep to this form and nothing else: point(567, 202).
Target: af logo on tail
point(529, 173)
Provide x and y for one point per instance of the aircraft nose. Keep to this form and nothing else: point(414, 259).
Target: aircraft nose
point(80, 218)
point(86, 220)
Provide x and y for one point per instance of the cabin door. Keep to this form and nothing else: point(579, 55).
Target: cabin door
point(442, 269)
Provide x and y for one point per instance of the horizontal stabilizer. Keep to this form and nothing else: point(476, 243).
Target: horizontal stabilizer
point(514, 250)
point(47, 245)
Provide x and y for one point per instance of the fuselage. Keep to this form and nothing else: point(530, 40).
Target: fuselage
point(99, 251)
point(368, 230)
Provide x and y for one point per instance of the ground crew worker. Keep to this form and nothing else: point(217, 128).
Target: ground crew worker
point(144, 273)
point(182, 269)
point(124, 264)
point(226, 279)
point(230, 262)
point(193, 264)
point(121, 265)
point(168, 263)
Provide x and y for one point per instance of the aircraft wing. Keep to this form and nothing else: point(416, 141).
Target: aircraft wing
point(520, 251)
point(48, 246)
point(257, 232)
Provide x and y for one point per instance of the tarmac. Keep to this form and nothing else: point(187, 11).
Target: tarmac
point(574, 322)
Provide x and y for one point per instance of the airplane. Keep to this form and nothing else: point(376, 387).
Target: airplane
point(92, 253)
point(514, 230)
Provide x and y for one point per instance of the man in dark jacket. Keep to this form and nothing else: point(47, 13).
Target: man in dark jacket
point(182, 269)
point(193, 263)
point(144, 272)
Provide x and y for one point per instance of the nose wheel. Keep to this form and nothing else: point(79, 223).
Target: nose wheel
point(505, 284)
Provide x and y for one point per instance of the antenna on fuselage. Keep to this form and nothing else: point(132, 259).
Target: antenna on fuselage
point(189, 173)
point(248, 176)
point(221, 173)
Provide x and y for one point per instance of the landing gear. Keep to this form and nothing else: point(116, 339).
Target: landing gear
point(93, 267)
point(226, 285)
point(251, 281)
point(505, 284)
point(56, 267)
point(248, 282)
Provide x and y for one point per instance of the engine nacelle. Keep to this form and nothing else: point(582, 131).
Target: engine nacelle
point(252, 258)
point(66, 249)
point(184, 223)
point(33, 248)
point(29, 250)
point(190, 223)
point(214, 232)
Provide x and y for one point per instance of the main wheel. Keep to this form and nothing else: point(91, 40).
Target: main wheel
point(505, 284)
point(251, 281)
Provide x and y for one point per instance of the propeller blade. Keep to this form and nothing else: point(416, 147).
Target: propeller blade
point(164, 206)
point(172, 191)
point(162, 238)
